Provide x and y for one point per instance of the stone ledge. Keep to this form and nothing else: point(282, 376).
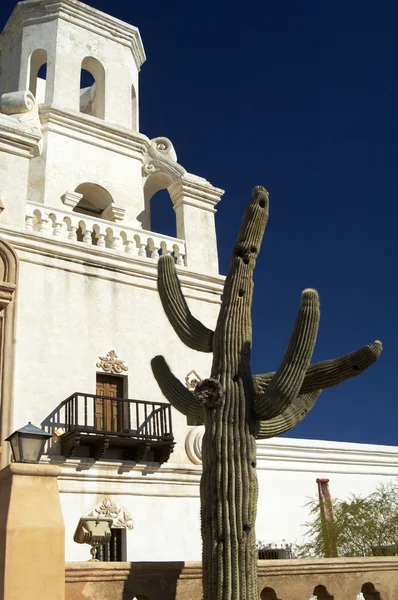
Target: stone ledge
point(293, 579)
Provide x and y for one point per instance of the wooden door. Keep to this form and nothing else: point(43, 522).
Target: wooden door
point(107, 412)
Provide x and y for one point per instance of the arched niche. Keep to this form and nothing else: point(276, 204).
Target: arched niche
point(38, 74)
point(268, 594)
point(8, 286)
point(95, 201)
point(92, 88)
point(159, 214)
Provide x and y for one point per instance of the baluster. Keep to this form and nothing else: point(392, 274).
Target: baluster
point(101, 240)
point(115, 242)
point(87, 238)
point(29, 222)
point(142, 250)
point(129, 246)
point(57, 230)
point(72, 233)
point(43, 224)
point(180, 260)
point(155, 254)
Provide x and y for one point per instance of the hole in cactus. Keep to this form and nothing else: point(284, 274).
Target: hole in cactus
point(235, 378)
point(253, 249)
point(254, 464)
point(241, 293)
point(246, 528)
point(239, 252)
point(356, 368)
point(246, 260)
point(262, 203)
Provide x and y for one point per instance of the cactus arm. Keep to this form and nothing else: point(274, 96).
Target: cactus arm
point(289, 418)
point(286, 384)
point(328, 373)
point(174, 391)
point(191, 331)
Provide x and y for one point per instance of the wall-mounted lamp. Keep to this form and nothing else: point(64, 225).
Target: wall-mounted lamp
point(94, 531)
point(27, 443)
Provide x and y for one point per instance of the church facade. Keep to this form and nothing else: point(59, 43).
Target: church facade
point(80, 313)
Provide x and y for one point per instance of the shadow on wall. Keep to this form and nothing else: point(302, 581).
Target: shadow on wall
point(143, 583)
point(268, 594)
point(321, 593)
point(369, 592)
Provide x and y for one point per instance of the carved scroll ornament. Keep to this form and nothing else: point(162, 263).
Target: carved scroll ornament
point(108, 509)
point(111, 363)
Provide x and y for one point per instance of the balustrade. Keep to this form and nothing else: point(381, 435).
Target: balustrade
point(105, 235)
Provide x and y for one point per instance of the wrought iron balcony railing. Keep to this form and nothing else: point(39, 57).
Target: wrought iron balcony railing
point(94, 425)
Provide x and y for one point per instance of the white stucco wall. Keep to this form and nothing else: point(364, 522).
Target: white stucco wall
point(164, 504)
point(68, 315)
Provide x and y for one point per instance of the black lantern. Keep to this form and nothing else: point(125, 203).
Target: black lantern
point(27, 443)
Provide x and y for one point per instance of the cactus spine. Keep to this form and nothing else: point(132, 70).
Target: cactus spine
point(237, 407)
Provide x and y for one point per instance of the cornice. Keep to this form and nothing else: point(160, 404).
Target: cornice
point(34, 12)
point(18, 138)
point(332, 457)
point(93, 131)
point(117, 478)
point(195, 191)
point(100, 263)
point(120, 571)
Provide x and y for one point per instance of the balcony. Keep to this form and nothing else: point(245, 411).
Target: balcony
point(101, 235)
point(104, 426)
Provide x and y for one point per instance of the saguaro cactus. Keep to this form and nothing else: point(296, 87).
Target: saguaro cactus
point(237, 407)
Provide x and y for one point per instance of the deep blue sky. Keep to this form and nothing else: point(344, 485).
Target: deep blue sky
point(303, 99)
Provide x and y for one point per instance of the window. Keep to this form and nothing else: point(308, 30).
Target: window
point(92, 88)
point(95, 201)
point(115, 549)
point(38, 74)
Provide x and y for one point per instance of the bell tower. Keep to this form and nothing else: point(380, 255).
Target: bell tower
point(68, 36)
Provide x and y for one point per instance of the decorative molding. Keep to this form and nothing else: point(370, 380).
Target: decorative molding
point(193, 444)
point(77, 13)
point(113, 213)
point(195, 191)
point(132, 271)
point(71, 199)
point(20, 129)
point(23, 107)
point(7, 292)
point(192, 379)
point(93, 131)
point(108, 509)
point(161, 157)
point(111, 363)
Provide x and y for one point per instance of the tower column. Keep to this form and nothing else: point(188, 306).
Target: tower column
point(194, 201)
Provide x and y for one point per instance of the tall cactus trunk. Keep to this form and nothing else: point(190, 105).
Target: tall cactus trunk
point(229, 486)
point(236, 408)
point(229, 502)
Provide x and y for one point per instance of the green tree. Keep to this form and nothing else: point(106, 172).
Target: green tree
point(363, 526)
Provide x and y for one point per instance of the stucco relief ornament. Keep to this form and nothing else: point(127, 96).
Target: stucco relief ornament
point(22, 106)
point(108, 509)
point(111, 363)
point(161, 156)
